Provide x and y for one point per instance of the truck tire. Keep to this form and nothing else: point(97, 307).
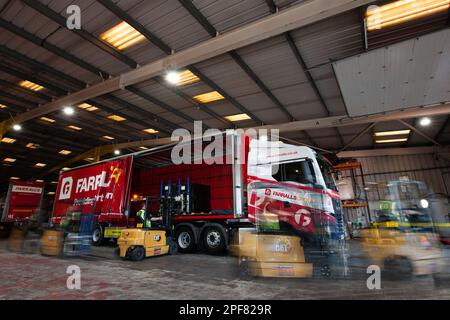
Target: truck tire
point(185, 240)
point(214, 240)
point(97, 236)
point(137, 254)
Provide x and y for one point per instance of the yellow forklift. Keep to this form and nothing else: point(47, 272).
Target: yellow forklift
point(149, 238)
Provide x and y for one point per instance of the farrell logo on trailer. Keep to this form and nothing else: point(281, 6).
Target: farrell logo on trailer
point(66, 188)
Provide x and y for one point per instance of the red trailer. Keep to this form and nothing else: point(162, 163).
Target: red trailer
point(208, 196)
point(22, 204)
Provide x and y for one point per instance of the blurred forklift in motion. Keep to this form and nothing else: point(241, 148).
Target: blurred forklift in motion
point(404, 240)
point(153, 238)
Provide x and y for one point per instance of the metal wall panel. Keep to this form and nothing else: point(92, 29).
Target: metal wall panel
point(409, 74)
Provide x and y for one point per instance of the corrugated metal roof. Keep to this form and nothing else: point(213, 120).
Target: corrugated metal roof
point(408, 74)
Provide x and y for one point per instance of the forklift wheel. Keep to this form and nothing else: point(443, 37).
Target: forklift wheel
point(173, 248)
point(244, 270)
point(137, 254)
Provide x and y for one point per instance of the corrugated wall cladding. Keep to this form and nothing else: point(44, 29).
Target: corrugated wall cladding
point(425, 167)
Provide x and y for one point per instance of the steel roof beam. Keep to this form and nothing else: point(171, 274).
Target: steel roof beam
point(298, 16)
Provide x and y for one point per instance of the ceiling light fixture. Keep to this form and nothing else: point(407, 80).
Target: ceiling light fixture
point(32, 145)
point(208, 97)
point(150, 130)
point(87, 107)
point(117, 118)
point(30, 85)
point(47, 119)
point(425, 121)
point(116, 152)
point(65, 152)
point(122, 36)
point(8, 140)
point(68, 111)
point(392, 133)
point(9, 160)
point(74, 128)
point(17, 127)
point(392, 140)
point(238, 117)
point(397, 12)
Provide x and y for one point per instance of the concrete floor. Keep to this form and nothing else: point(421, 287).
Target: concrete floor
point(182, 276)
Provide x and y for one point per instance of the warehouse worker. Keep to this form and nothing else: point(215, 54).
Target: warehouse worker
point(141, 214)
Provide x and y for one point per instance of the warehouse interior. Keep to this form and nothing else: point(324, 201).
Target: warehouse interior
point(329, 75)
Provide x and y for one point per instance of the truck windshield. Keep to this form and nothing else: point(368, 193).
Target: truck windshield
point(300, 172)
point(325, 168)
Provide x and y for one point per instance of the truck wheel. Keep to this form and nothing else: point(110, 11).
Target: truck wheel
point(398, 268)
point(185, 240)
point(97, 236)
point(137, 254)
point(214, 240)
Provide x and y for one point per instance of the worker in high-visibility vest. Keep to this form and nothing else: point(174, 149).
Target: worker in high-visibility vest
point(141, 215)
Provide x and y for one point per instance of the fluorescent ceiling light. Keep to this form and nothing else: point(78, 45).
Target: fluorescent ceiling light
point(143, 148)
point(50, 193)
point(74, 128)
point(238, 117)
point(116, 118)
point(379, 17)
point(181, 78)
point(40, 165)
point(30, 85)
point(54, 182)
point(87, 107)
point(392, 140)
point(14, 178)
point(65, 169)
point(2, 106)
point(39, 180)
point(8, 140)
point(47, 119)
point(208, 97)
point(32, 145)
point(65, 152)
point(150, 130)
point(10, 160)
point(392, 133)
point(108, 137)
point(122, 36)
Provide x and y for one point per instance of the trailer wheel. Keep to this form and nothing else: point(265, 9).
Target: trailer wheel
point(214, 240)
point(185, 240)
point(137, 254)
point(97, 236)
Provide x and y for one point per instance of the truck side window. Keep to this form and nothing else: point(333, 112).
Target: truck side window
point(301, 172)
